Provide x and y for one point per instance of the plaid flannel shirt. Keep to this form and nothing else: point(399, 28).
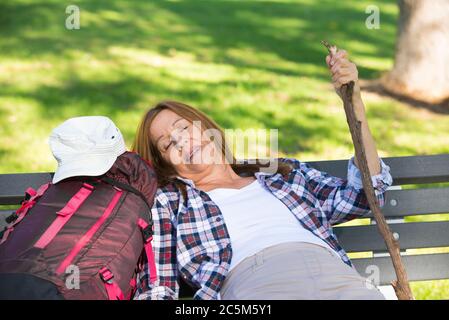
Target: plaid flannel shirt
point(191, 240)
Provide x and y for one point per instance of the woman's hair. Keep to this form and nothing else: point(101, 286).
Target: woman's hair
point(166, 173)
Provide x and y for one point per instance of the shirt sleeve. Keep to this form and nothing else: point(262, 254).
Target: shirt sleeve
point(380, 181)
point(203, 261)
point(344, 199)
point(166, 286)
point(210, 283)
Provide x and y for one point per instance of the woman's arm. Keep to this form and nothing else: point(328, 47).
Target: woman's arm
point(368, 140)
point(341, 200)
point(344, 71)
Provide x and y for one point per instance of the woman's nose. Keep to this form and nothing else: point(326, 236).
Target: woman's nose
point(180, 140)
point(180, 143)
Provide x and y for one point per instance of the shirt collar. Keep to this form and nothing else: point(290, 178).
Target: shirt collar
point(187, 181)
point(261, 173)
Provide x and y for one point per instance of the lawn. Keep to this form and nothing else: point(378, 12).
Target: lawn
point(248, 64)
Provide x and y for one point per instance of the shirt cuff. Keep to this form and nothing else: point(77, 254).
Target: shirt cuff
point(206, 294)
point(157, 293)
point(380, 181)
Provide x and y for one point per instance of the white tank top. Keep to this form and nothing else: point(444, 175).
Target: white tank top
point(256, 220)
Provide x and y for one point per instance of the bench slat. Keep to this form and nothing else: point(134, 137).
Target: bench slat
point(412, 235)
point(415, 202)
point(419, 267)
point(405, 170)
point(13, 186)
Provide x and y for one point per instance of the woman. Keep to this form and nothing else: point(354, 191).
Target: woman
point(235, 232)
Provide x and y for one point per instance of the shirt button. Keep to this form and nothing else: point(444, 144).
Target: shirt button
point(218, 219)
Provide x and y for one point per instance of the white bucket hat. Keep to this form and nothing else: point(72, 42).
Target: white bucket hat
point(85, 146)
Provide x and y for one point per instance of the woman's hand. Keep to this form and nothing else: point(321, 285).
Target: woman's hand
point(343, 71)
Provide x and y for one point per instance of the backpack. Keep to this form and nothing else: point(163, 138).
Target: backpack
point(82, 238)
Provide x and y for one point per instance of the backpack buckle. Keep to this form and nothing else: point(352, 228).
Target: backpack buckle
point(106, 275)
point(147, 233)
point(147, 229)
point(29, 193)
point(11, 218)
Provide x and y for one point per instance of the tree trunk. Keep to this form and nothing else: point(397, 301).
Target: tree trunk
point(421, 68)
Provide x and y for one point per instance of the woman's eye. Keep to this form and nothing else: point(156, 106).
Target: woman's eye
point(168, 145)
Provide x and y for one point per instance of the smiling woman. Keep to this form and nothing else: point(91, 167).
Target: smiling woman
point(279, 223)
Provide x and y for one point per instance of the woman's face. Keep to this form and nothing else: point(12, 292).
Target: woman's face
point(182, 143)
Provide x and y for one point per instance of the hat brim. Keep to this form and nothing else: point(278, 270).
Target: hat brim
point(84, 166)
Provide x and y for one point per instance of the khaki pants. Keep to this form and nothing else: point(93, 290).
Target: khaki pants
point(296, 270)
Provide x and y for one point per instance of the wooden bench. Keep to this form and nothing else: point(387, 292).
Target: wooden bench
point(400, 203)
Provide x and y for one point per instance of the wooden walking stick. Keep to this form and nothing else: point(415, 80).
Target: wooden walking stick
point(401, 285)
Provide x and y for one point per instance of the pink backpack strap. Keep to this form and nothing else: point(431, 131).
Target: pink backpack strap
point(84, 240)
point(31, 192)
point(40, 192)
point(112, 289)
point(147, 231)
point(31, 196)
point(64, 215)
point(133, 285)
point(6, 233)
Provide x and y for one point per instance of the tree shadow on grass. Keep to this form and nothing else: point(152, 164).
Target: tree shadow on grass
point(375, 86)
point(289, 31)
point(80, 97)
point(277, 37)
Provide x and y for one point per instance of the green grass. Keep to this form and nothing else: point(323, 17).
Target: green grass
point(248, 64)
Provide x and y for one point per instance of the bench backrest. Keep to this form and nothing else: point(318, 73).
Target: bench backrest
point(400, 203)
point(428, 196)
